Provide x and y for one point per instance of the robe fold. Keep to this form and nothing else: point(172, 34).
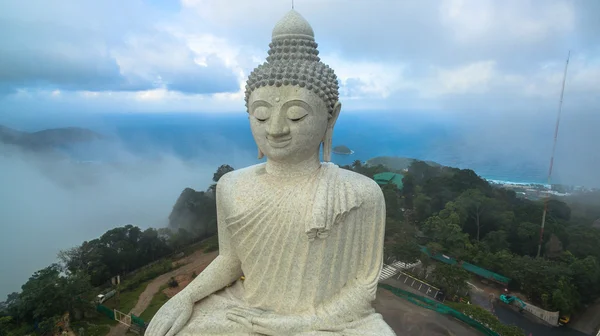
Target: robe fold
point(312, 245)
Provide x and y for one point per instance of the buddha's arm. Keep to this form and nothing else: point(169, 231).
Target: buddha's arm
point(226, 268)
point(357, 295)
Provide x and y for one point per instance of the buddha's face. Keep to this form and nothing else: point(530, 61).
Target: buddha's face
point(288, 122)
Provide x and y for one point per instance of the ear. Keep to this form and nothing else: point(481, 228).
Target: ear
point(328, 138)
point(334, 115)
point(260, 154)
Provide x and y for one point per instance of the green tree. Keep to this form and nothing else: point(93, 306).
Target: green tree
point(222, 170)
point(476, 204)
point(6, 326)
point(392, 200)
point(196, 212)
point(583, 241)
point(422, 172)
point(565, 296)
point(586, 277)
point(527, 236)
point(404, 246)
point(496, 241)
point(408, 190)
point(422, 204)
point(448, 234)
point(554, 249)
point(452, 278)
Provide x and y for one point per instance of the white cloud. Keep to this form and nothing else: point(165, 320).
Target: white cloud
point(472, 78)
point(525, 21)
point(386, 55)
point(366, 79)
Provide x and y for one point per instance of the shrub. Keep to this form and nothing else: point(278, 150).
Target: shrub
point(211, 244)
point(486, 318)
point(173, 283)
point(147, 274)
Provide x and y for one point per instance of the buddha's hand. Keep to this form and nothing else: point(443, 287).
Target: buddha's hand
point(171, 317)
point(270, 323)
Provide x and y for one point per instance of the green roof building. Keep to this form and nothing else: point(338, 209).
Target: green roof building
point(385, 178)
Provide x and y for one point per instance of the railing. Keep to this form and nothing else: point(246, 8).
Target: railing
point(126, 319)
point(389, 271)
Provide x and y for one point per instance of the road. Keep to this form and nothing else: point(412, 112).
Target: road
point(589, 320)
point(509, 316)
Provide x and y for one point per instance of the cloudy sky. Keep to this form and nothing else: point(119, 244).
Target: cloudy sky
point(493, 66)
point(193, 55)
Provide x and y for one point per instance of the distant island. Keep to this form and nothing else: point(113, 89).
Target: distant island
point(342, 150)
point(396, 163)
point(48, 139)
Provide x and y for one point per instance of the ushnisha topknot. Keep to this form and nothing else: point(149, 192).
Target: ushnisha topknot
point(293, 60)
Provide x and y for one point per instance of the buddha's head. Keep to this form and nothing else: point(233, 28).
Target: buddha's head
point(292, 99)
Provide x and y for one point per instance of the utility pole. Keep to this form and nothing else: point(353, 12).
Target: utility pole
point(546, 199)
point(116, 280)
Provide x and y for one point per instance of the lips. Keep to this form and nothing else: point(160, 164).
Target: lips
point(279, 142)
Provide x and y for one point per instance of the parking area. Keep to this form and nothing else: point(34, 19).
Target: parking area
point(419, 285)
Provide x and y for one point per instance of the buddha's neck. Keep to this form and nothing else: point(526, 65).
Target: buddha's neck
point(287, 169)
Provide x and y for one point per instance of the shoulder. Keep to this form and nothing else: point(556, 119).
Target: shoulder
point(364, 187)
point(228, 182)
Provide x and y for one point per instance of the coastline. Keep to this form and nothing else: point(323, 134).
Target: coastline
point(521, 184)
point(338, 153)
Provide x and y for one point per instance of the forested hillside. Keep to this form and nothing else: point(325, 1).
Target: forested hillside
point(456, 212)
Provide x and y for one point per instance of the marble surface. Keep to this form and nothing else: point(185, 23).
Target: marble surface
point(306, 235)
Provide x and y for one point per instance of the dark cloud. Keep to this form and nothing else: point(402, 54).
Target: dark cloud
point(53, 56)
point(45, 52)
point(518, 35)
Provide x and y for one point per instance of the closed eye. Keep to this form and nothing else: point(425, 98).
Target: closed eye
point(298, 119)
point(261, 120)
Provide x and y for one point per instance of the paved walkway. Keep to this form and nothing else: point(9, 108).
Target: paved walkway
point(194, 262)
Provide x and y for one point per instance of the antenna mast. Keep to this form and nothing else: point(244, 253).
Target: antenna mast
point(562, 92)
point(292, 4)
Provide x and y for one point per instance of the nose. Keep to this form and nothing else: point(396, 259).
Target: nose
point(278, 126)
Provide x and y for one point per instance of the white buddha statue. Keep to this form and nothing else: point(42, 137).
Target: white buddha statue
point(307, 236)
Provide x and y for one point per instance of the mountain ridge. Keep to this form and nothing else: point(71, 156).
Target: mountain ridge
point(397, 163)
point(46, 139)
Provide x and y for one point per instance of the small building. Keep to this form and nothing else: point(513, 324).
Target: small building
point(387, 177)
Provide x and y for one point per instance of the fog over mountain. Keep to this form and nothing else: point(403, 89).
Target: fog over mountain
point(48, 203)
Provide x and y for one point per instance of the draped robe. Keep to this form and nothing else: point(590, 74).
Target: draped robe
point(308, 245)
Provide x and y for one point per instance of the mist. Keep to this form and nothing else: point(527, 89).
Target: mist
point(49, 203)
point(510, 143)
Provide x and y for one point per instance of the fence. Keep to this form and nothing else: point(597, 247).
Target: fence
point(106, 311)
point(128, 319)
point(549, 317)
point(482, 272)
point(418, 284)
point(440, 308)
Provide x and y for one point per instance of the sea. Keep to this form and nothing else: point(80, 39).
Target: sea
point(226, 139)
